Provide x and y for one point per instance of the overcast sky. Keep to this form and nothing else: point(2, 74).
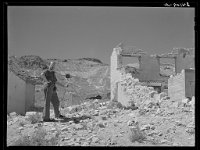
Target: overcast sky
point(75, 32)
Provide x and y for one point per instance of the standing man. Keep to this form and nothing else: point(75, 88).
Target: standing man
point(50, 93)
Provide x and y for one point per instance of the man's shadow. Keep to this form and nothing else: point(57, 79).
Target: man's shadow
point(64, 119)
point(75, 119)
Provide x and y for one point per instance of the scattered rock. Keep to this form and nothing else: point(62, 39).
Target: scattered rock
point(152, 133)
point(162, 95)
point(118, 121)
point(132, 122)
point(20, 128)
point(164, 141)
point(115, 124)
point(145, 127)
point(101, 124)
point(15, 120)
point(179, 123)
point(185, 101)
point(96, 113)
point(103, 117)
point(64, 129)
point(71, 121)
point(31, 113)
point(78, 126)
point(191, 125)
point(160, 134)
point(85, 144)
point(165, 98)
point(192, 102)
point(190, 130)
point(95, 139)
point(152, 93)
point(136, 134)
point(52, 129)
point(13, 114)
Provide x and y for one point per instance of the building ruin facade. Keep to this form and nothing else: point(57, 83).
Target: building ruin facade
point(148, 72)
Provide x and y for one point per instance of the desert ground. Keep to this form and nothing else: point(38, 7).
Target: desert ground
point(104, 123)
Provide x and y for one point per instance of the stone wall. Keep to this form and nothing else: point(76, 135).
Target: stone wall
point(149, 68)
point(182, 85)
point(184, 61)
point(189, 83)
point(122, 96)
point(21, 94)
point(115, 72)
point(176, 86)
point(132, 93)
point(30, 96)
point(16, 94)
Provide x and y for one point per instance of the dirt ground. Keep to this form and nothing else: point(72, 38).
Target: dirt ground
point(102, 124)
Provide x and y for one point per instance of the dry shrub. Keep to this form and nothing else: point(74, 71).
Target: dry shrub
point(114, 104)
point(35, 118)
point(136, 135)
point(38, 138)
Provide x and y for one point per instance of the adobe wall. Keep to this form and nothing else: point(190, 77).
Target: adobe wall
point(122, 96)
point(30, 96)
point(184, 62)
point(16, 94)
point(149, 68)
point(189, 83)
point(176, 86)
point(115, 71)
point(182, 85)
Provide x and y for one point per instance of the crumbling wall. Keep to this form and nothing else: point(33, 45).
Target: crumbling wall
point(132, 93)
point(30, 96)
point(115, 71)
point(16, 94)
point(182, 85)
point(189, 82)
point(176, 86)
point(124, 97)
point(21, 94)
point(184, 59)
point(149, 68)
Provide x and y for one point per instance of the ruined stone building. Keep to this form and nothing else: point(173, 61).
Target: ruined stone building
point(148, 72)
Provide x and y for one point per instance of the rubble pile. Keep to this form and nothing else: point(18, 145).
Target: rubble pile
point(159, 121)
point(139, 95)
point(94, 123)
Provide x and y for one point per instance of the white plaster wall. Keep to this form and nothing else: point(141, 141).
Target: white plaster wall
point(16, 94)
point(115, 73)
point(176, 86)
point(30, 96)
point(122, 97)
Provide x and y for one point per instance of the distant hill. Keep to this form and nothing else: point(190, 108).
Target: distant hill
point(90, 76)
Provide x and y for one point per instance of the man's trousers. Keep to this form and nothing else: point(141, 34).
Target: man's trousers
point(50, 96)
